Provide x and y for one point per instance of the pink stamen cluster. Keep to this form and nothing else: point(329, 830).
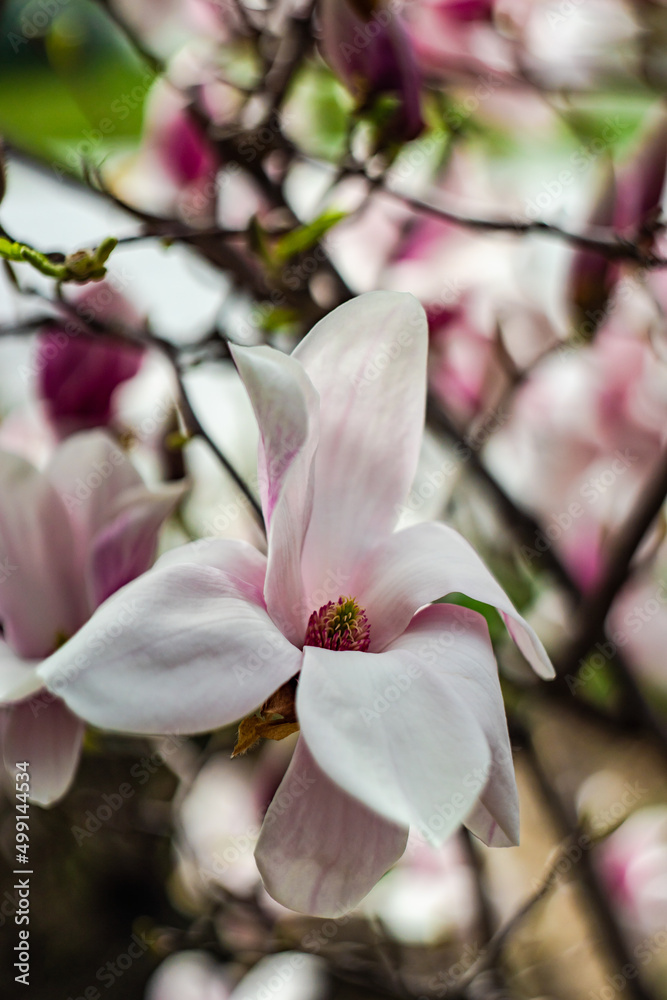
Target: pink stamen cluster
point(341, 625)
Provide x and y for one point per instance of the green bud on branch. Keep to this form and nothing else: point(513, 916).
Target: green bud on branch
point(82, 266)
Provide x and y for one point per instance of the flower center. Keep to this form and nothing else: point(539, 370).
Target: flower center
point(341, 625)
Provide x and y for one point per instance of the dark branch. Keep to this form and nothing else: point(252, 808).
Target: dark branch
point(614, 247)
point(196, 428)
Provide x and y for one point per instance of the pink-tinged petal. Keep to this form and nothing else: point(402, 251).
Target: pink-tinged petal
point(456, 642)
point(367, 361)
point(321, 851)
point(185, 151)
point(47, 736)
point(18, 678)
point(125, 548)
point(236, 558)
point(180, 650)
point(286, 407)
point(25, 431)
point(422, 564)
point(484, 825)
point(392, 732)
point(41, 595)
point(90, 472)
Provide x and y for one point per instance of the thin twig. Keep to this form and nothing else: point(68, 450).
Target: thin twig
point(617, 947)
point(615, 248)
point(596, 606)
point(293, 49)
point(181, 233)
point(146, 338)
point(523, 524)
point(196, 428)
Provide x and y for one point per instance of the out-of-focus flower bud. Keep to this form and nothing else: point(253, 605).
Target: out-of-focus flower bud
point(465, 370)
point(641, 183)
point(633, 863)
point(468, 10)
point(592, 275)
point(79, 374)
point(368, 47)
point(175, 169)
point(186, 152)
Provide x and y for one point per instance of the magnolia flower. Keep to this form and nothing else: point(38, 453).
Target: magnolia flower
point(69, 537)
point(398, 702)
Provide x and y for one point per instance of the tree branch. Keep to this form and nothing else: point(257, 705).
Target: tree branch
point(596, 606)
point(615, 248)
point(196, 428)
point(616, 945)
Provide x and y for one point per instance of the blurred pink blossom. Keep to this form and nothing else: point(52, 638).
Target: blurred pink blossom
point(585, 432)
point(176, 166)
point(465, 370)
point(454, 38)
point(69, 537)
point(633, 864)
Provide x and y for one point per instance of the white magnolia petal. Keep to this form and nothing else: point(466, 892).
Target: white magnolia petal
point(367, 361)
point(289, 975)
point(18, 677)
point(484, 825)
point(188, 975)
point(125, 547)
point(41, 591)
point(390, 731)
point(456, 641)
point(182, 649)
point(231, 555)
point(422, 564)
point(46, 735)
point(286, 407)
point(90, 472)
point(320, 850)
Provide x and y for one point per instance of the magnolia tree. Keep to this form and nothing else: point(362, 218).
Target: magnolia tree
point(332, 475)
